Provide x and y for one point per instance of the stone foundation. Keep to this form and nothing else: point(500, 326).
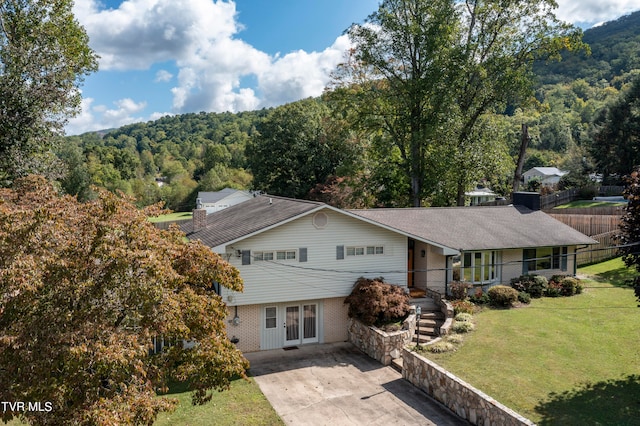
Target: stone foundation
point(460, 397)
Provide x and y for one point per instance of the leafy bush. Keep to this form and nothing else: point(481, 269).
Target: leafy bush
point(441, 346)
point(462, 306)
point(553, 290)
point(454, 338)
point(502, 295)
point(462, 326)
point(524, 297)
point(463, 316)
point(566, 285)
point(480, 297)
point(535, 285)
point(459, 290)
point(375, 302)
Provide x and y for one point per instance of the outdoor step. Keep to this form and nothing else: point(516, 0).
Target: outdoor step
point(422, 339)
point(430, 331)
point(429, 323)
point(438, 316)
point(397, 364)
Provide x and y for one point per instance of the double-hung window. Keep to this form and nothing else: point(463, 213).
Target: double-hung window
point(544, 258)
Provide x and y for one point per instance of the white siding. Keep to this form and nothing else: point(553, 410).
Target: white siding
point(322, 276)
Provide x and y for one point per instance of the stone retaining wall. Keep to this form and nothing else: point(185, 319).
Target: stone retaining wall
point(460, 397)
point(378, 344)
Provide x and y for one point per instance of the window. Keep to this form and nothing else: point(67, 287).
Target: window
point(544, 258)
point(479, 267)
point(262, 255)
point(286, 255)
point(367, 250)
point(277, 255)
point(270, 317)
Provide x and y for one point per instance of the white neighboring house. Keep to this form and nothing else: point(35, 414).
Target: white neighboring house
point(300, 259)
point(216, 201)
point(479, 196)
point(549, 176)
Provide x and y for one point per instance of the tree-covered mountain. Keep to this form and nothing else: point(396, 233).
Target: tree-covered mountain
point(614, 55)
point(172, 158)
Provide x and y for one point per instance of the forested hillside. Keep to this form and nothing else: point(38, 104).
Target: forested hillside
point(306, 150)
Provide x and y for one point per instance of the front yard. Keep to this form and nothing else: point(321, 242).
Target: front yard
point(568, 361)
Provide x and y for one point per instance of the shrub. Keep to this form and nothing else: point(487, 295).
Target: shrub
point(463, 316)
point(566, 285)
point(569, 286)
point(524, 297)
point(454, 338)
point(502, 295)
point(535, 285)
point(479, 298)
point(459, 290)
point(441, 346)
point(374, 302)
point(462, 326)
point(553, 290)
point(462, 306)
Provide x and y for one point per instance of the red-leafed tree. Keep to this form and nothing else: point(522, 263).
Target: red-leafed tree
point(84, 287)
point(630, 226)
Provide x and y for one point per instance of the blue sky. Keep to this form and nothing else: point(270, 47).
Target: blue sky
point(161, 57)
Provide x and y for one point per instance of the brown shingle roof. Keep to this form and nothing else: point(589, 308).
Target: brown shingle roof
point(479, 228)
point(249, 217)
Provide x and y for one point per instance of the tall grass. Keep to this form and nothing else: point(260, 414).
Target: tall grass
point(565, 361)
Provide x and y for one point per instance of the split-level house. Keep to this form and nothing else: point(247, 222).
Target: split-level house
point(300, 259)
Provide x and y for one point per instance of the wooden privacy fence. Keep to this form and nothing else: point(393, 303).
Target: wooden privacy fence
point(605, 249)
point(589, 224)
point(557, 198)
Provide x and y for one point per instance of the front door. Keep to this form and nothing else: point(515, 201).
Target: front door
point(301, 324)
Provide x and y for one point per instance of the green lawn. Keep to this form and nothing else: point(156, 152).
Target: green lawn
point(243, 404)
point(171, 216)
point(561, 361)
point(584, 204)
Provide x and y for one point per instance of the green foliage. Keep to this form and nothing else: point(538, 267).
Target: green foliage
point(566, 285)
point(294, 149)
point(394, 79)
point(616, 145)
point(441, 347)
point(375, 302)
point(462, 327)
point(535, 285)
point(502, 296)
point(463, 316)
point(524, 297)
point(44, 56)
point(479, 297)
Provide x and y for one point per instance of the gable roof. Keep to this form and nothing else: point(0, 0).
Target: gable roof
point(547, 171)
point(214, 197)
point(479, 228)
point(255, 215)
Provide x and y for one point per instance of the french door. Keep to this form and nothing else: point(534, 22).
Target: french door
point(301, 324)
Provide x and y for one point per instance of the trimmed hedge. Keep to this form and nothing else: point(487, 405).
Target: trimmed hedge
point(502, 296)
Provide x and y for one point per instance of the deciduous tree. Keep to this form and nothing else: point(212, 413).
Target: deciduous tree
point(426, 72)
point(44, 55)
point(630, 226)
point(84, 287)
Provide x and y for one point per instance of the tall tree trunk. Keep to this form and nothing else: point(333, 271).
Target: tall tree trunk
point(524, 142)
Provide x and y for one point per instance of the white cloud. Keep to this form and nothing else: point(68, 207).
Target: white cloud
point(100, 117)
point(202, 38)
point(163, 76)
point(594, 11)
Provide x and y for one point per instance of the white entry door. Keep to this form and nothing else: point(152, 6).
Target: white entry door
point(301, 324)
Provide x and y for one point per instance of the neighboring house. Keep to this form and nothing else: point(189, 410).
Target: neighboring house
point(549, 176)
point(216, 201)
point(300, 259)
point(479, 196)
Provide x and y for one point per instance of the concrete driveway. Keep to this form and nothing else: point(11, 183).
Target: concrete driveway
point(336, 384)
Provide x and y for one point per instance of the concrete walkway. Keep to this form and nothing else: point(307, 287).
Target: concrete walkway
point(336, 384)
